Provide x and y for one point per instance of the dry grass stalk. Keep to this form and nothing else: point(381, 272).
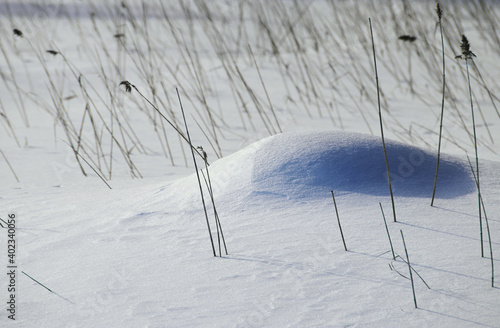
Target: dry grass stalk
point(467, 55)
point(382, 126)
point(439, 12)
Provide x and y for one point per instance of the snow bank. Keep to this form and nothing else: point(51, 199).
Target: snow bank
point(305, 164)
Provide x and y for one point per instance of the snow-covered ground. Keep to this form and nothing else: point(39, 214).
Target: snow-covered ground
point(139, 254)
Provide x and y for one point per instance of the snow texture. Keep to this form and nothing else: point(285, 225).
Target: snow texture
point(139, 254)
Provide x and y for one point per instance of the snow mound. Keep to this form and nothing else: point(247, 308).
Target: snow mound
point(305, 164)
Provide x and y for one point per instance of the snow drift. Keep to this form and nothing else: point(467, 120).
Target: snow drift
point(305, 164)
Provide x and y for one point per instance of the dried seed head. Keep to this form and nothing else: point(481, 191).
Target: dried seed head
point(465, 46)
point(128, 85)
point(407, 38)
point(202, 152)
point(439, 12)
point(17, 32)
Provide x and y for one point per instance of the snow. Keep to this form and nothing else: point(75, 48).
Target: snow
point(315, 163)
point(139, 254)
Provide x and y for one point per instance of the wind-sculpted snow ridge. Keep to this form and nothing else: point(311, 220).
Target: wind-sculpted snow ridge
point(305, 164)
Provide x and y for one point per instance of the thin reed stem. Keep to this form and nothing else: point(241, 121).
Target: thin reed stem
point(338, 220)
point(467, 55)
point(197, 173)
point(387, 229)
point(265, 89)
point(220, 233)
point(47, 288)
point(439, 12)
point(93, 169)
point(477, 159)
point(128, 87)
point(487, 228)
point(409, 268)
point(381, 124)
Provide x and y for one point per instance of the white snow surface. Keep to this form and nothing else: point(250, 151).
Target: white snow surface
point(141, 256)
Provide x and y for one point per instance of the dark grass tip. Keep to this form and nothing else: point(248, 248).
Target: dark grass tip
point(128, 85)
point(202, 152)
point(465, 47)
point(439, 11)
point(407, 38)
point(17, 32)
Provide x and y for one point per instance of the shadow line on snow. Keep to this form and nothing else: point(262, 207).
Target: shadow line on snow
point(455, 317)
point(307, 268)
point(445, 232)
